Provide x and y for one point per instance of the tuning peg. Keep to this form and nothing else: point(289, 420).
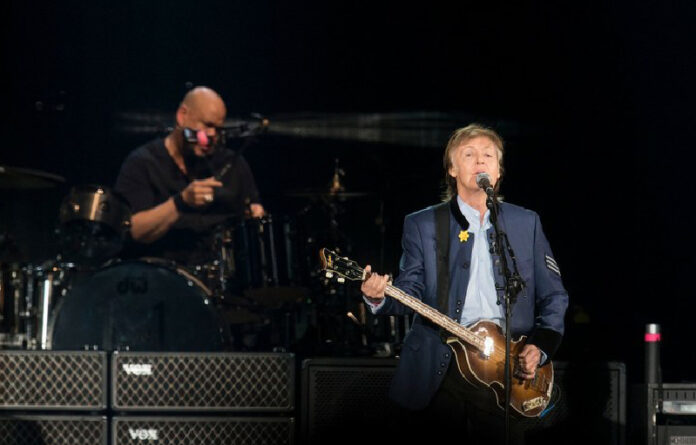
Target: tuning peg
point(328, 274)
point(341, 280)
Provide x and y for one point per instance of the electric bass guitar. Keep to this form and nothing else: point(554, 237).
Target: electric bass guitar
point(479, 349)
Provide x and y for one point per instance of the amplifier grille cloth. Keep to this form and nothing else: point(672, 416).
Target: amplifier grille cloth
point(46, 430)
point(53, 380)
point(192, 430)
point(205, 381)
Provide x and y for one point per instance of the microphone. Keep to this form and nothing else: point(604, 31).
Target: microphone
point(202, 138)
point(483, 180)
point(198, 137)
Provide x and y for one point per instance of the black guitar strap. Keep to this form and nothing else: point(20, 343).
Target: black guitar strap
point(442, 229)
point(442, 234)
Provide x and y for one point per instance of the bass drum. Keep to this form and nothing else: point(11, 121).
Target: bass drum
point(145, 305)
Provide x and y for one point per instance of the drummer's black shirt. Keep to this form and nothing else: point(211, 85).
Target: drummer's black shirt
point(149, 176)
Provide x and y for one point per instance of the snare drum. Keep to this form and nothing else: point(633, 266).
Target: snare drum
point(143, 305)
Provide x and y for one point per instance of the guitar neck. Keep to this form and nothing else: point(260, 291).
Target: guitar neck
point(435, 316)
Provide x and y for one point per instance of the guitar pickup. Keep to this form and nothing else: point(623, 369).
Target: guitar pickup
point(488, 347)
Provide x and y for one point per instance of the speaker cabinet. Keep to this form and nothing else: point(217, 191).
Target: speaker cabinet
point(52, 430)
point(588, 405)
point(53, 380)
point(342, 392)
point(203, 430)
point(249, 382)
point(345, 393)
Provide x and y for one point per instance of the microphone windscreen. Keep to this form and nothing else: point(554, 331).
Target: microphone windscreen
point(483, 179)
point(202, 138)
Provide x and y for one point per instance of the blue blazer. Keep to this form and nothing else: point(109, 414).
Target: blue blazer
point(538, 312)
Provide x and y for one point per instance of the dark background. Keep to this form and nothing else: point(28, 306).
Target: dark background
point(594, 100)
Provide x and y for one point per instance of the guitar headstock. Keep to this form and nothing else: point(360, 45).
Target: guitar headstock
point(345, 268)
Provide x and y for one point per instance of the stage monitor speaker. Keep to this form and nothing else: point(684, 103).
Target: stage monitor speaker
point(341, 392)
point(588, 402)
point(166, 381)
point(338, 392)
point(203, 430)
point(53, 430)
point(53, 380)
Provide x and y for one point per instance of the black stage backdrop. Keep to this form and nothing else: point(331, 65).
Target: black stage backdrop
point(594, 100)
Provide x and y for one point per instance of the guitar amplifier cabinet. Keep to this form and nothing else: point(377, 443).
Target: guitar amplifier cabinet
point(53, 380)
point(249, 382)
point(342, 392)
point(336, 393)
point(589, 401)
point(53, 430)
point(203, 430)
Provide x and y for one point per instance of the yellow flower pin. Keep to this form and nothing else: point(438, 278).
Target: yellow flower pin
point(463, 236)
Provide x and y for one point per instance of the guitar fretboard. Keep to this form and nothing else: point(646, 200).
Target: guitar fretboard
point(436, 317)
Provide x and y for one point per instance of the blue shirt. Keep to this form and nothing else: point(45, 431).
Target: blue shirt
point(481, 297)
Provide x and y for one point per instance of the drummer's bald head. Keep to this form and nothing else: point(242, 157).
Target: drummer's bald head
point(201, 104)
point(202, 96)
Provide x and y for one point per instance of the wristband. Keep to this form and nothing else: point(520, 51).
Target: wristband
point(179, 203)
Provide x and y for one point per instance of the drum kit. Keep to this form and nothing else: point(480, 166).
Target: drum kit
point(259, 294)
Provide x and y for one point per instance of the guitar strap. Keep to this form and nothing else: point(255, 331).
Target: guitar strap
point(442, 230)
point(442, 243)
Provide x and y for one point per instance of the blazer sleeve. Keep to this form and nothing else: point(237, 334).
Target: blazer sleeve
point(411, 278)
point(551, 297)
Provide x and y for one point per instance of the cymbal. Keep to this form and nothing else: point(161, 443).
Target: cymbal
point(325, 194)
point(24, 178)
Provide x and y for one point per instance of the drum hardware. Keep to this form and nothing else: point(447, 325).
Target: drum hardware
point(30, 293)
point(255, 253)
point(94, 221)
point(263, 254)
point(53, 283)
point(12, 287)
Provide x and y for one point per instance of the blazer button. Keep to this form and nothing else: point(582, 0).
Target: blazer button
point(442, 364)
point(459, 303)
point(439, 372)
point(466, 264)
point(458, 310)
point(446, 354)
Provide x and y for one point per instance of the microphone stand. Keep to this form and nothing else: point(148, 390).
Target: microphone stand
point(513, 285)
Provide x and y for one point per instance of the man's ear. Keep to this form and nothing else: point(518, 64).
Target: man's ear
point(181, 115)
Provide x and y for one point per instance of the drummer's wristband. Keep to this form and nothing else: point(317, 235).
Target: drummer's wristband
point(179, 203)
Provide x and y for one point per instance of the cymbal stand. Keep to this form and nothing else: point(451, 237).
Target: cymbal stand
point(225, 267)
